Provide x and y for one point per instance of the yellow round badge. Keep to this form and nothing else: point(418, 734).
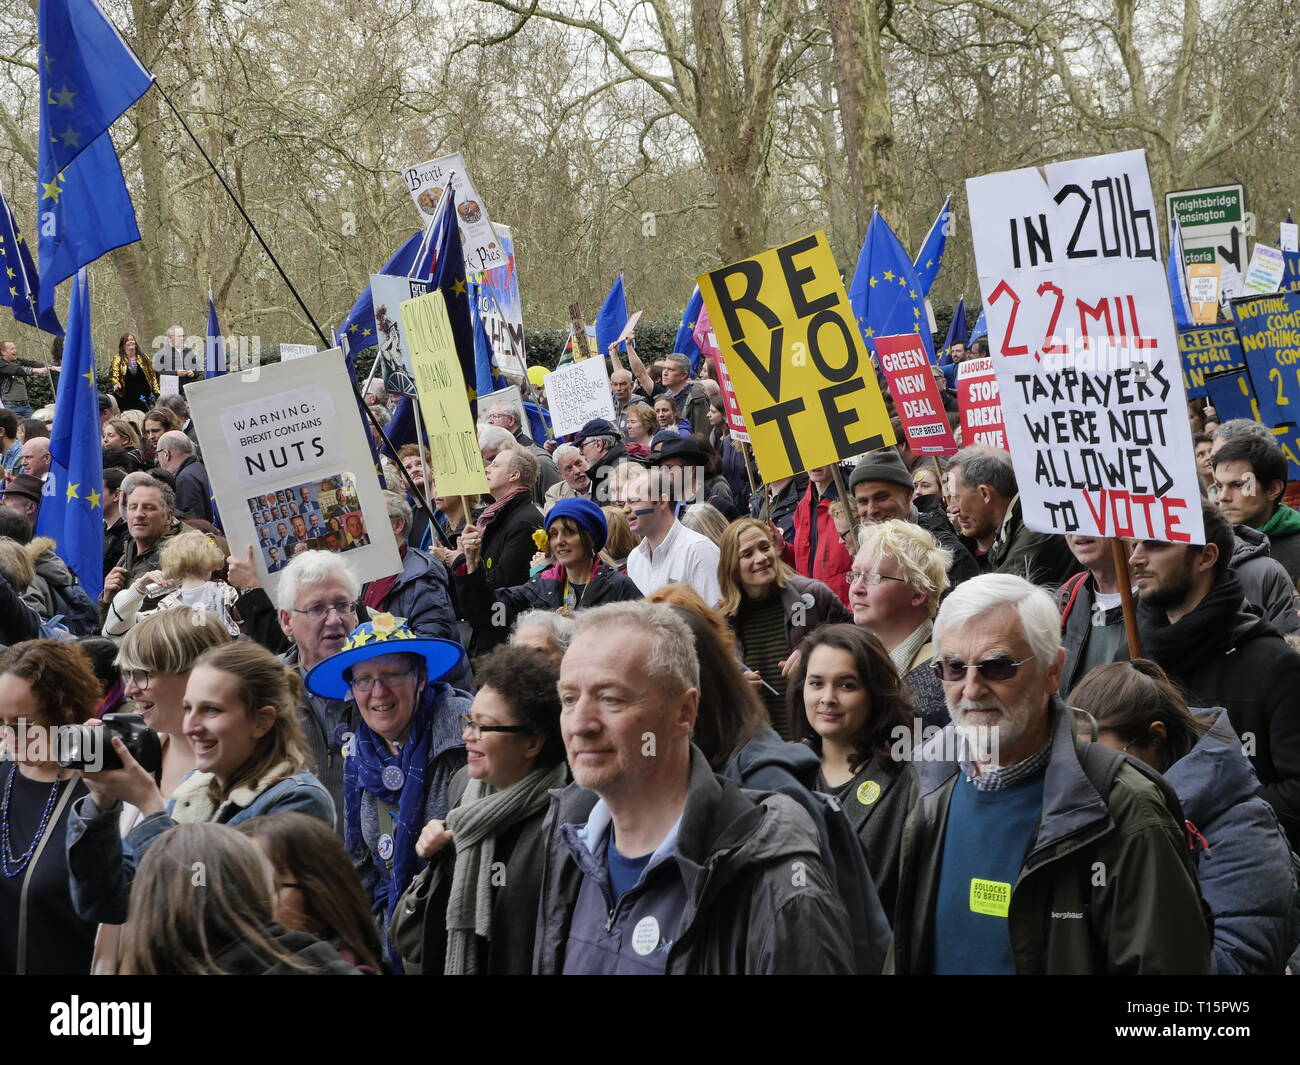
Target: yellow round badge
point(868, 792)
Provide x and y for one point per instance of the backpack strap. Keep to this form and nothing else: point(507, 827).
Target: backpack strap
point(1069, 593)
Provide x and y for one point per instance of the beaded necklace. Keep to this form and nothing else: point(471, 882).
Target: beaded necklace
point(13, 866)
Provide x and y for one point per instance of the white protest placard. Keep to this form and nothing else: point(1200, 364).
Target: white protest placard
point(578, 393)
point(1229, 285)
point(1082, 338)
point(387, 295)
point(629, 330)
point(289, 352)
point(169, 384)
point(1264, 274)
point(290, 465)
point(1289, 236)
point(509, 394)
point(501, 310)
point(426, 182)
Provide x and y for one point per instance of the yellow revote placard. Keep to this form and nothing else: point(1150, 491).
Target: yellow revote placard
point(795, 357)
point(444, 402)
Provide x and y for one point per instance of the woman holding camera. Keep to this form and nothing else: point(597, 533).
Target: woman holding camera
point(44, 684)
point(250, 759)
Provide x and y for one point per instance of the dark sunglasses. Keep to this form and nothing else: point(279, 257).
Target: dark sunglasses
point(996, 669)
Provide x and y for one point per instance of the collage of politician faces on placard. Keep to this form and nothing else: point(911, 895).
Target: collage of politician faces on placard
point(321, 515)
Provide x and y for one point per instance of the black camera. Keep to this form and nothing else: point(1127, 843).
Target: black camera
point(90, 748)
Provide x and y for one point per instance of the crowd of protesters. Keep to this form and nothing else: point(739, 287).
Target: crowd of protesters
point(637, 710)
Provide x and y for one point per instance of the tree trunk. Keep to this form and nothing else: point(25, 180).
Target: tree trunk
point(868, 121)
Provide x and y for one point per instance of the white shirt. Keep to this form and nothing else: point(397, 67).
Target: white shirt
point(684, 557)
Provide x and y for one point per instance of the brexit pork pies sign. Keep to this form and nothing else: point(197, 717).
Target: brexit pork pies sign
point(1083, 344)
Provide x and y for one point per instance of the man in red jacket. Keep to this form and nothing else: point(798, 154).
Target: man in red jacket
point(818, 550)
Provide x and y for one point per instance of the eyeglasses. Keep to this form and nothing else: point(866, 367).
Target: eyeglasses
point(996, 669)
point(320, 611)
point(870, 576)
point(389, 680)
point(468, 724)
point(139, 677)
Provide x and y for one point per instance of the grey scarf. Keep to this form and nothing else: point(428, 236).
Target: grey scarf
point(474, 824)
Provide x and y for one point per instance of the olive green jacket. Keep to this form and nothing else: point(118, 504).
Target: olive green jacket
point(1103, 889)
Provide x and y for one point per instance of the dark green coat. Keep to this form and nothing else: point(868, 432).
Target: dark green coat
point(1104, 888)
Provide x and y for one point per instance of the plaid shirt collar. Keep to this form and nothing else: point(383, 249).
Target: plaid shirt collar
point(996, 778)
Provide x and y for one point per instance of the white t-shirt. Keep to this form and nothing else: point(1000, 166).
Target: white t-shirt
point(684, 557)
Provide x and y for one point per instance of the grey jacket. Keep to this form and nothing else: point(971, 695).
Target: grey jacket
point(1245, 863)
point(1264, 579)
point(745, 912)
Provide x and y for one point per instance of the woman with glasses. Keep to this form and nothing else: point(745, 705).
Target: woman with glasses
point(473, 911)
point(1243, 857)
point(899, 575)
point(316, 887)
point(250, 759)
point(399, 763)
point(769, 608)
point(847, 704)
point(155, 660)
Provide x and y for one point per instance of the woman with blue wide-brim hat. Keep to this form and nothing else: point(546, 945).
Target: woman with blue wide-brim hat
point(574, 534)
point(400, 761)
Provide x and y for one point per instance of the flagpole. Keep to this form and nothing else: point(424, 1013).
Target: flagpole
point(270, 255)
point(243, 213)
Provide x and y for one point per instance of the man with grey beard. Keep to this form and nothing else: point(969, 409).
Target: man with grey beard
point(1030, 850)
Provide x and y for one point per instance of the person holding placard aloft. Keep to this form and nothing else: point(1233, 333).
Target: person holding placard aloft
point(501, 537)
point(817, 550)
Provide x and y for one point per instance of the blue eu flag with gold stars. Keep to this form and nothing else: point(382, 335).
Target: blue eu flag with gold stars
point(19, 282)
point(88, 77)
point(887, 297)
point(930, 258)
point(685, 344)
point(72, 510)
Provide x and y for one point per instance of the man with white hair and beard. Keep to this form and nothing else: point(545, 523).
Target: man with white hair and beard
point(1030, 850)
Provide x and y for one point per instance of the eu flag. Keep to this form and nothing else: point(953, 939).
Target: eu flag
point(20, 283)
point(956, 332)
point(359, 325)
point(1177, 274)
point(611, 318)
point(72, 512)
point(981, 330)
point(214, 345)
point(685, 343)
point(930, 257)
point(1290, 265)
point(88, 77)
point(886, 295)
point(487, 377)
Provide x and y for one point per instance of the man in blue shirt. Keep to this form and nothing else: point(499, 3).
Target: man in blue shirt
point(654, 863)
point(1030, 851)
